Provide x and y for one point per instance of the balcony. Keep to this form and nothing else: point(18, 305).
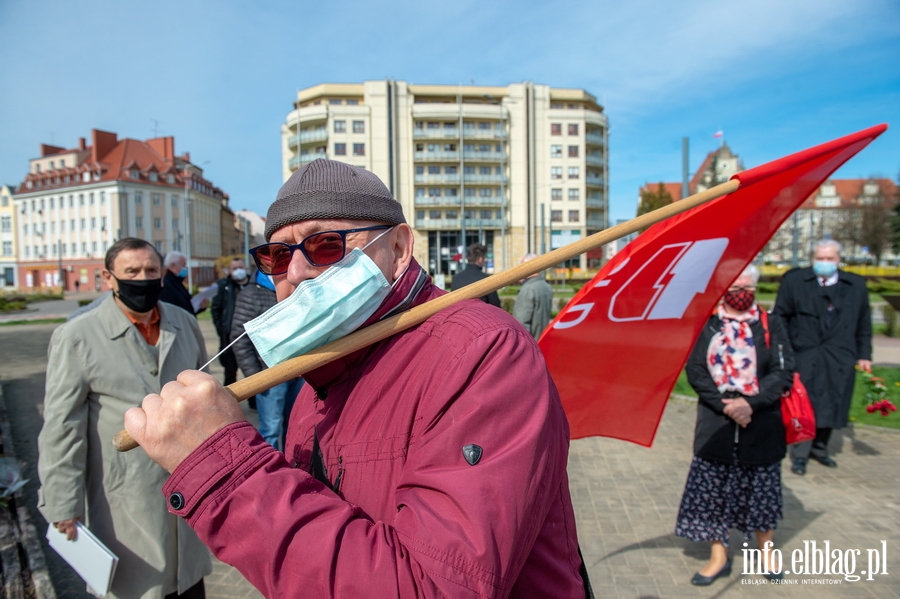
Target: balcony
point(307, 137)
point(594, 139)
point(454, 223)
point(437, 201)
point(437, 179)
point(436, 157)
point(468, 133)
point(595, 203)
point(595, 223)
point(594, 181)
point(296, 161)
point(595, 160)
point(473, 156)
point(486, 179)
point(475, 201)
point(436, 133)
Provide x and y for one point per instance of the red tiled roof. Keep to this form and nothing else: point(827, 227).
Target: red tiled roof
point(849, 190)
point(674, 189)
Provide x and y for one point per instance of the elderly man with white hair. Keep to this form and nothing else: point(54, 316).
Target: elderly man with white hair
point(827, 314)
point(174, 291)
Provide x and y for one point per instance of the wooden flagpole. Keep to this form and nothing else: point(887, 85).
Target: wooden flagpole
point(295, 367)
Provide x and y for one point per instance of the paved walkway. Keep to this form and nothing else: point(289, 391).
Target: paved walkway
point(626, 499)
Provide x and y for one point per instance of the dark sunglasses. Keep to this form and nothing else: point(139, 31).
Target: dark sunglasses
point(319, 249)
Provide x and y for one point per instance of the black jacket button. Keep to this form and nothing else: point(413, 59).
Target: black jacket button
point(176, 500)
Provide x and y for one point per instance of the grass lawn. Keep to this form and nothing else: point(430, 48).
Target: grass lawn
point(38, 321)
point(858, 411)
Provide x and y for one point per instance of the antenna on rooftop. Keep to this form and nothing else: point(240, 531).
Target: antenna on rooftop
point(155, 127)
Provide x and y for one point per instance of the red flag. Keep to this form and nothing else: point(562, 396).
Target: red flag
point(617, 348)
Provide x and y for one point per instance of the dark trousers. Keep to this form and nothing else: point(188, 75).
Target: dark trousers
point(229, 363)
point(817, 447)
point(198, 591)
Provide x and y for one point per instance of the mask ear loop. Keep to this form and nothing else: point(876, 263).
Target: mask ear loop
point(386, 231)
point(222, 351)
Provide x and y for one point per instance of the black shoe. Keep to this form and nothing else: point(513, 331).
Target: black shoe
point(799, 466)
point(701, 581)
point(774, 576)
point(824, 460)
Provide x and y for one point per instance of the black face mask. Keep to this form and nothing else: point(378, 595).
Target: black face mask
point(140, 295)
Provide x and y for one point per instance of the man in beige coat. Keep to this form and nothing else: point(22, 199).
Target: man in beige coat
point(101, 364)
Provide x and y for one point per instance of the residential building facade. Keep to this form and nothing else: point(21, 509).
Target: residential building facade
point(8, 245)
point(74, 203)
point(467, 163)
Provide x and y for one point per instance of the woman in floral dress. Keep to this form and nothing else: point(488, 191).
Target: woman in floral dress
point(739, 371)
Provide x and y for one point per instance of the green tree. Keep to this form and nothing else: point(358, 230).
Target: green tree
point(651, 200)
point(895, 220)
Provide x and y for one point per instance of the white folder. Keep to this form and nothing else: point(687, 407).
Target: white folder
point(89, 557)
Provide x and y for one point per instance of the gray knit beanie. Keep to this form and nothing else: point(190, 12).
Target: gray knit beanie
point(330, 189)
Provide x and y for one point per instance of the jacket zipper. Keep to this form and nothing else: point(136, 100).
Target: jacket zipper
point(781, 356)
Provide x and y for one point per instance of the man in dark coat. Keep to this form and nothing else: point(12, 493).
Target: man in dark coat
point(827, 314)
point(222, 308)
point(174, 291)
point(476, 254)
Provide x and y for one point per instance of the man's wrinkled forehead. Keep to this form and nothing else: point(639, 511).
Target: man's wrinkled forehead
point(296, 232)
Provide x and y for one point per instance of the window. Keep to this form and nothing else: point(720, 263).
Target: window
point(174, 224)
point(340, 126)
point(74, 249)
point(7, 248)
point(449, 147)
point(484, 170)
point(573, 172)
point(434, 170)
point(72, 225)
point(340, 149)
point(573, 216)
point(452, 214)
point(555, 195)
point(451, 170)
point(555, 128)
point(52, 204)
point(556, 151)
point(556, 172)
point(470, 192)
point(434, 192)
point(420, 215)
point(25, 229)
point(420, 170)
point(359, 126)
point(157, 199)
point(420, 192)
point(573, 151)
point(138, 222)
point(485, 192)
point(174, 201)
point(334, 102)
point(157, 223)
point(135, 174)
point(451, 192)
point(434, 214)
point(82, 224)
point(103, 223)
point(359, 149)
point(93, 222)
point(573, 128)
point(154, 176)
point(433, 125)
point(484, 147)
point(71, 201)
point(486, 213)
point(159, 246)
point(26, 251)
point(574, 195)
point(468, 170)
point(83, 249)
point(6, 224)
point(353, 102)
point(138, 197)
point(556, 216)
point(52, 228)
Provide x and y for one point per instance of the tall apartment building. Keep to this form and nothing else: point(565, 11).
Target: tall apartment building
point(74, 203)
point(467, 163)
point(8, 244)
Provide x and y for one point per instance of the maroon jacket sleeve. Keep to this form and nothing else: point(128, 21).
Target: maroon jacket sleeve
point(459, 531)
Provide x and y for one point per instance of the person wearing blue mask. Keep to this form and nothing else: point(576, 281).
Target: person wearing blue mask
point(429, 464)
point(174, 291)
point(828, 318)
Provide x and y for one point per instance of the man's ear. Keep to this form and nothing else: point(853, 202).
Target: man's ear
point(108, 278)
point(402, 249)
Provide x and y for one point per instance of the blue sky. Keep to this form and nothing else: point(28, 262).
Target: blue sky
point(776, 76)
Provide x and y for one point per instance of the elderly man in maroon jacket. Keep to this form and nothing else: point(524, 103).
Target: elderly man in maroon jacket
point(430, 464)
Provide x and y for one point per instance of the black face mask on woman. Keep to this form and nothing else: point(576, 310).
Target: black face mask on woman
point(140, 295)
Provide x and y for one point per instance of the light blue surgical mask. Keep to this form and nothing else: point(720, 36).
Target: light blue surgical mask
point(320, 310)
point(824, 269)
point(183, 272)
